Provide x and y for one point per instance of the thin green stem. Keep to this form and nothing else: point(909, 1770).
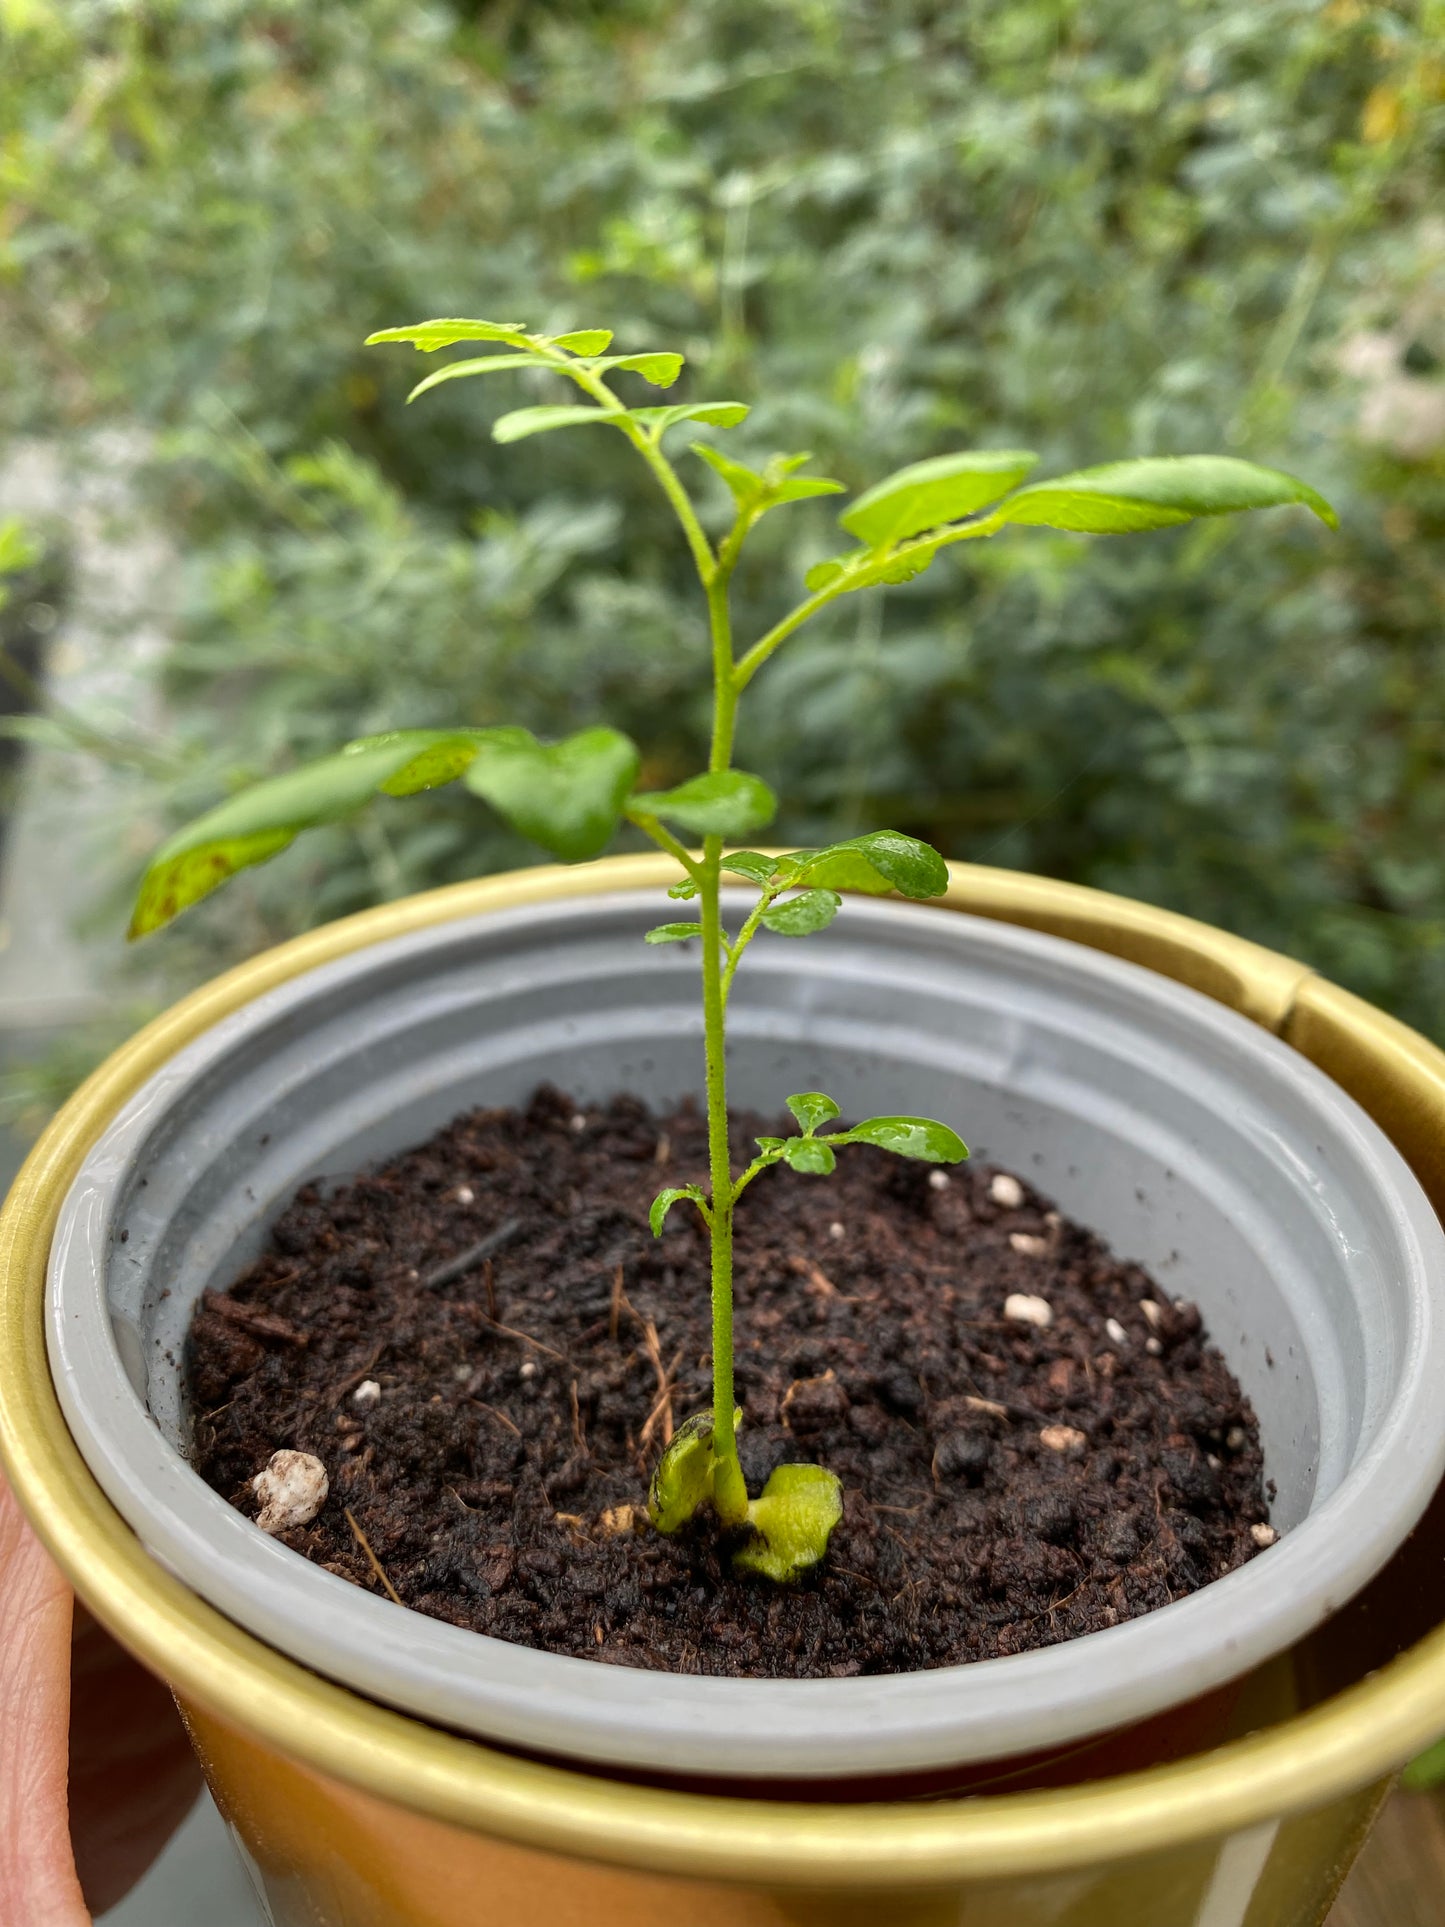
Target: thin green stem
point(652, 454)
point(730, 1497)
point(752, 661)
point(730, 1493)
point(741, 941)
point(665, 840)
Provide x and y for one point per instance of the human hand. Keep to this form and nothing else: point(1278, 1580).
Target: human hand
point(95, 1769)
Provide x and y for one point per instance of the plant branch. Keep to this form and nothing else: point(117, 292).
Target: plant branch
point(744, 937)
point(665, 840)
point(752, 661)
point(651, 453)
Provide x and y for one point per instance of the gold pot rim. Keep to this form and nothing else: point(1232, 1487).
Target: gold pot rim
point(1360, 1735)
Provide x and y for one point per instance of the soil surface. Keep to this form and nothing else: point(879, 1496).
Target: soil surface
point(488, 1420)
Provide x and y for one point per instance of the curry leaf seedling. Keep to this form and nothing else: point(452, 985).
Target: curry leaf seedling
point(570, 797)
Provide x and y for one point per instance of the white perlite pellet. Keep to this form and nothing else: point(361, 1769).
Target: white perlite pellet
point(1030, 1245)
point(1153, 1347)
point(367, 1394)
point(1026, 1310)
point(1153, 1314)
point(939, 1180)
point(835, 1230)
point(1006, 1191)
point(1063, 1438)
point(529, 1368)
point(1263, 1535)
point(292, 1490)
point(1116, 1331)
point(579, 1123)
point(464, 1194)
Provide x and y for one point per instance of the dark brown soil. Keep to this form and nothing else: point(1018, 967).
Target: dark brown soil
point(1007, 1486)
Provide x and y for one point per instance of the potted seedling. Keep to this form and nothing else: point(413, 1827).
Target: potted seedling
point(572, 796)
point(1188, 1136)
point(1191, 1136)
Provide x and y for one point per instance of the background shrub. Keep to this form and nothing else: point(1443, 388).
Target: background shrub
point(1140, 226)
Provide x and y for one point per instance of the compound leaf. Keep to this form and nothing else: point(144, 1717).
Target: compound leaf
point(428, 336)
point(721, 803)
point(812, 1108)
point(584, 341)
point(566, 796)
point(463, 370)
point(264, 819)
point(908, 1137)
point(719, 414)
point(522, 422)
point(876, 862)
point(925, 495)
point(801, 916)
point(1157, 492)
point(810, 1155)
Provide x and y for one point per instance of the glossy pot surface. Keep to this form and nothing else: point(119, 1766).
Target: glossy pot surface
point(357, 1816)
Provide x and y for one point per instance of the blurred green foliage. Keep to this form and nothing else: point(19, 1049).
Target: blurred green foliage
point(1136, 226)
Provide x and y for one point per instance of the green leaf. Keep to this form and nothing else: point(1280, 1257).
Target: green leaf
point(750, 864)
point(810, 1155)
point(264, 819)
point(568, 796)
point(1157, 492)
point(776, 484)
point(823, 575)
point(720, 414)
point(925, 495)
point(585, 341)
point(801, 916)
point(722, 803)
point(685, 891)
point(436, 756)
point(522, 422)
point(463, 370)
point(876, 862)
point(683, 1480)
point(428, 336)
point(672, 932)
point(909, 1137)
point(793, 1521)
point(812, 1108)
point(801, 488)
point(744, 483)
point(662, 370)
point(663, 1203)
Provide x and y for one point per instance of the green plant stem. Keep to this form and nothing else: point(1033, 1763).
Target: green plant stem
point(665, 840)
point(730, 1494)
point(661, 467)
point(740, 943)
point(748, 665)
point(730, 1498)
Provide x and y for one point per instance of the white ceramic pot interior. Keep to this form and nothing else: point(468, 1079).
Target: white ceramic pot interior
point(1193, 1141)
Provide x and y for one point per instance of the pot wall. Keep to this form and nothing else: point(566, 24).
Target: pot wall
point(359, 1818)
point(1197, 1144)
point(320, 1852)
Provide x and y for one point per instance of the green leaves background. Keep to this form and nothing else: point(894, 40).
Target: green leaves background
point(896, 232)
